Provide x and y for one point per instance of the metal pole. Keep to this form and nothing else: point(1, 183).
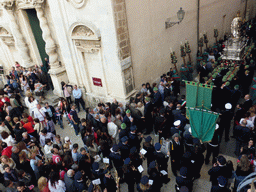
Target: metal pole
point(198, 12)
point(245, 9)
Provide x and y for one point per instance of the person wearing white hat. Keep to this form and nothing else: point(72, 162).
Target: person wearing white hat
point(225, 121)
point(213, 147)
point(176, 127)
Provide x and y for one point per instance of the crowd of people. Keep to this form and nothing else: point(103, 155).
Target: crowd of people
point(117, 139)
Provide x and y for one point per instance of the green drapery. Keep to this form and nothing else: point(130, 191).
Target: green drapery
point(202, 123)
point(253, 94)
point(35, 26)
point(197, 95)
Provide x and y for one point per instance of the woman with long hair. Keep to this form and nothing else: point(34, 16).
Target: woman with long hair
point(6, 161)
point(55, 184)
point(32, 105)
point(7, 138)
point(67, 91)
point(35, 163)
point(243, 169)
point(43, 184)
point(23, 82)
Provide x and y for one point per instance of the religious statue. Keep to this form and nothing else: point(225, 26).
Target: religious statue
point(235, 26)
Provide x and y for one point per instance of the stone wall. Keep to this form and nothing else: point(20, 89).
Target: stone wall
point(122, 28)
point(151, 42)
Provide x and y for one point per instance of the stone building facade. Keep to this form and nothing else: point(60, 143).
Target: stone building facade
point(107, 47)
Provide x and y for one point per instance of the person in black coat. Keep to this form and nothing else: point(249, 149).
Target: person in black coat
point(150, 150)
point(109, 183)
point(157, 99)
point(176, 128)
point(115, 156)
point(219, 169)
point(197, 158)
point(18, 131)
point(221, 187)
point(213, 147)
point(155, 175)
point(176, 152)
point(203, 72)
point(246, 81)
point(242, 135)
point(128, 171)
point(123, 131)
point(148, 108)
point(184, 180)
point(124, 147)
point(143, 186)
point(225, 121)
point(133, 138)
point(161, 160)
point(248, 103)
point(159, 124)
point(128, 119)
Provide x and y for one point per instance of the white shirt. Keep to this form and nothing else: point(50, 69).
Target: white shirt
point(9, 141)
point(40, 114)
point(32, 106)
point(249, 123)
point(59, 186)
point(112, 129)
point(4, 128)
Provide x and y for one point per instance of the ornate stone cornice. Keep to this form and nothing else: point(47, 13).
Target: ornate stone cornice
point(7, 4)
point(29, 4)
point(77, 3)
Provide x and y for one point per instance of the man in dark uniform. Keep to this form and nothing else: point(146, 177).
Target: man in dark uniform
point(219, 169)
point(188, 139)
point(242, 135)
point(133, 138)
point(161, 160)
point(124, 147)
point(225, 121)
point(221, 187)
point(248, 103)
point(157, 100)
point(197, 158)
point(213, 147)
point(246, 81)
point(184, 180)
point(123, 132)
point(159, 124)
point(176, 152)
point(117, 160)
point(176, 127)
point(96, 171)
point(109, 183)
point(148, 108)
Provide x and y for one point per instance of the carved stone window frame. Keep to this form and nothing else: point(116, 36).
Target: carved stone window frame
point(78, 4)
point(6, 36)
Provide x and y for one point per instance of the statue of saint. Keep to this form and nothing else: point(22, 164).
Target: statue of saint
point(235, 26)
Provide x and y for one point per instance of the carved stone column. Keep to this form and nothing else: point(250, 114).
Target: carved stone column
point(50, 46)
point(20, 43)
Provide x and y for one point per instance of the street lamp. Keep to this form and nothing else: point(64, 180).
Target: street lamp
point(180, 15)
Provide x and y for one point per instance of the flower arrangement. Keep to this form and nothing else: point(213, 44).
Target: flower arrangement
point(173, 57)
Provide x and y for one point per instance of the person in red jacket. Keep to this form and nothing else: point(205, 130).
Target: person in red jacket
point(6, 150)
point(29, 127)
